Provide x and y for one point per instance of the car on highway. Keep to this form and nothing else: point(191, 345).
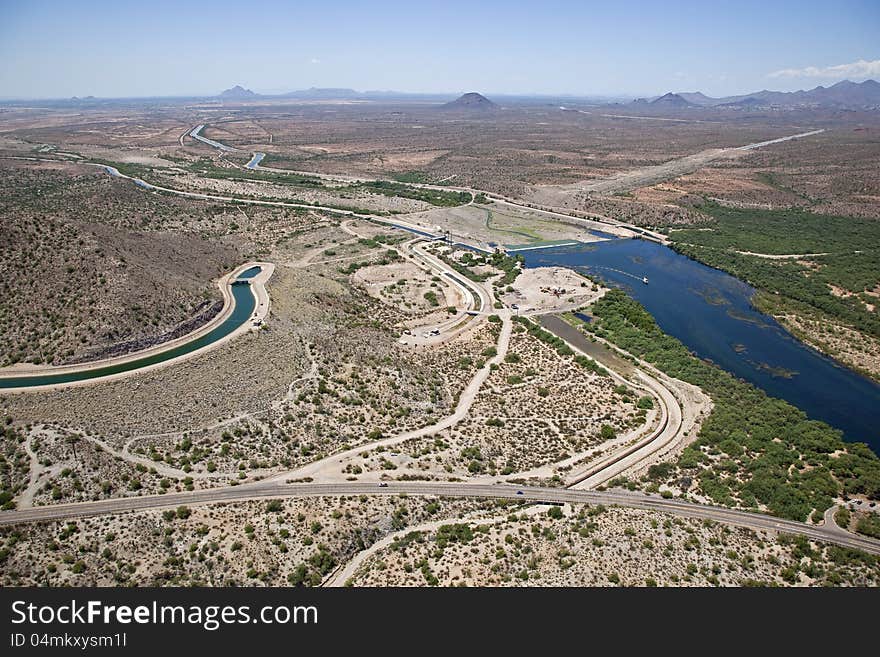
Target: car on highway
point(382, 484)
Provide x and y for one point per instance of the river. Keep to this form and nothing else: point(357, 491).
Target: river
point(711, 312)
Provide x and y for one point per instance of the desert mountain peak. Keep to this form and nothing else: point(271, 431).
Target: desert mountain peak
point(471, 100)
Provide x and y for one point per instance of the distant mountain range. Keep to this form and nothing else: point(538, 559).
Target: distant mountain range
point(326, 93)
point(322, 93)
point(843, 95)
point(469, 101)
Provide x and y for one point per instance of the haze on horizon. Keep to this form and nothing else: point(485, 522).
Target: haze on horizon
point(52, 49)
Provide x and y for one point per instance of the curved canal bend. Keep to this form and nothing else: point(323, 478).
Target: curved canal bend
point(711, 312)
point(244, 299)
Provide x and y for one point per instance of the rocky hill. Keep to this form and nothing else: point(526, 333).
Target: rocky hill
point(237, 93)
point(471, 102)
point(671, 101)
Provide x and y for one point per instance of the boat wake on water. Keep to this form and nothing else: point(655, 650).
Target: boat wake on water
point(643, 279)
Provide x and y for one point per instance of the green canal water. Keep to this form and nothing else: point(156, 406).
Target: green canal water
point(245, 304)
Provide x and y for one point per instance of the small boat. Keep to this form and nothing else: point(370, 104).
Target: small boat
point(645, 280)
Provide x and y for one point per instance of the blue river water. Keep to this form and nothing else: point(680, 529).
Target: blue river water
point(711, 313)
point(245, 304)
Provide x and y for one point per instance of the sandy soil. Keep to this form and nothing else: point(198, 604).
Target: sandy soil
point(403, 284)
point(544, 289)
point(240, 544)
point(594, 546)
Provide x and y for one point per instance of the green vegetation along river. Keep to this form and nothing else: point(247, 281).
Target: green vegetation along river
point(712, 314)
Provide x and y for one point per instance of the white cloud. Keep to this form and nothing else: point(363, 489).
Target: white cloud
point(859, 69)
point(314, 60)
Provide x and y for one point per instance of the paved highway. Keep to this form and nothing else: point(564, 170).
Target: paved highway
point(259, 490)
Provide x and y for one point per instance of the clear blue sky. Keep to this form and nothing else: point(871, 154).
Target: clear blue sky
point(155, 47)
